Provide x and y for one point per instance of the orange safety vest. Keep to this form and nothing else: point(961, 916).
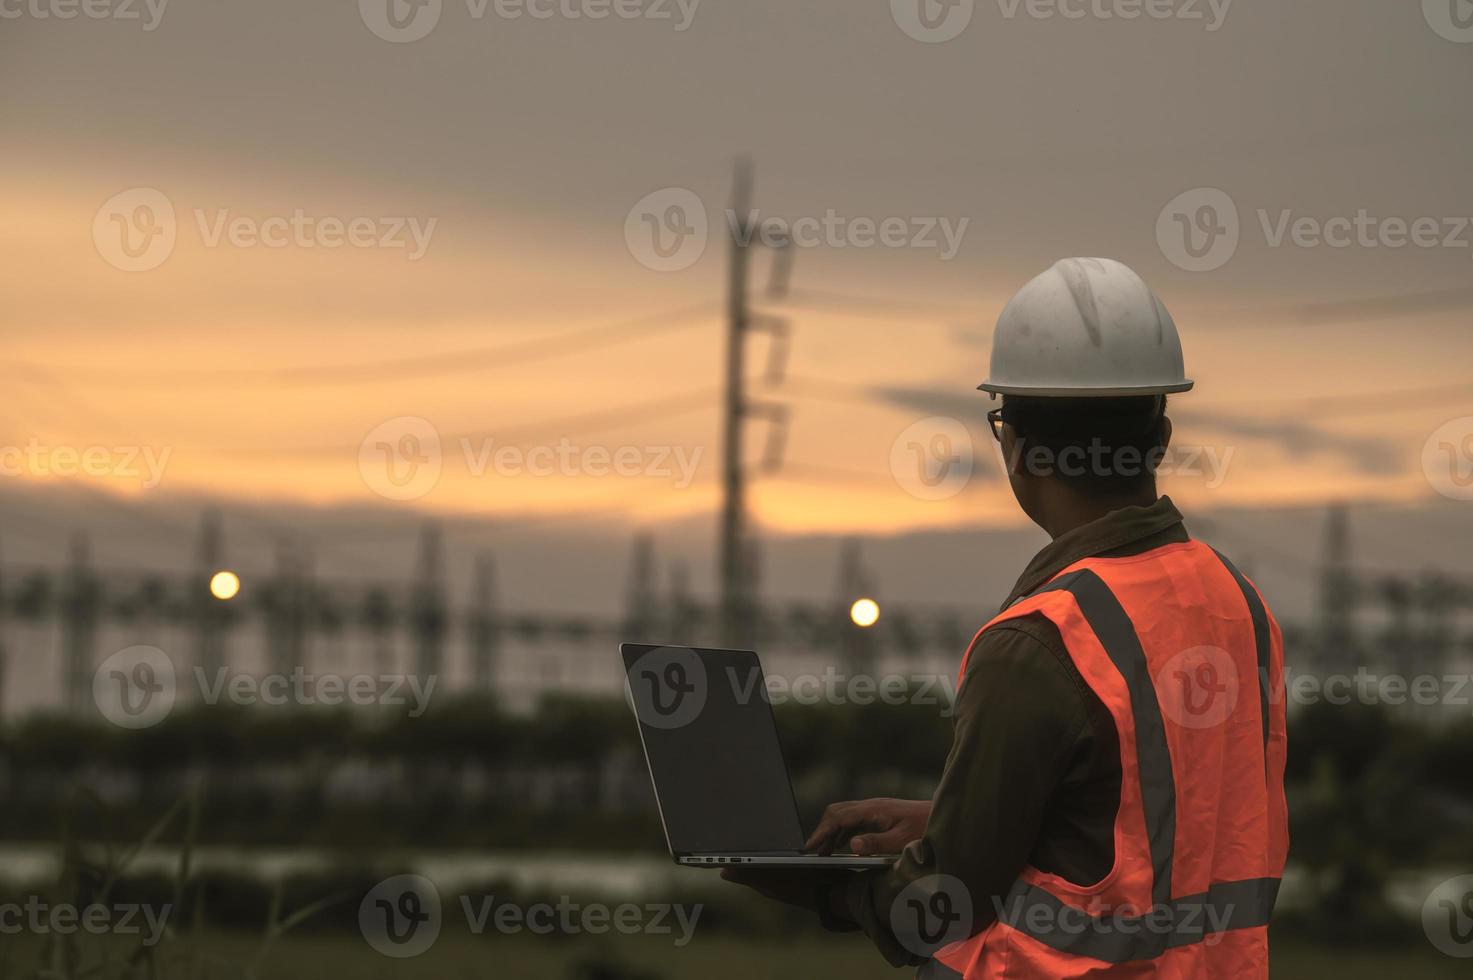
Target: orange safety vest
point(1181, 649)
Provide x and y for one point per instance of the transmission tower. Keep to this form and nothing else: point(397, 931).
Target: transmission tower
point(1338, 593)
point(734, 557)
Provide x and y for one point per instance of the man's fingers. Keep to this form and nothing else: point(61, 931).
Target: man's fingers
point(886, 843)
point(822, 839)
point(840, 820)
point(830, 827)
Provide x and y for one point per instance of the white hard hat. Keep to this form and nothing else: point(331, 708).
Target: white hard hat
point(1086, 327)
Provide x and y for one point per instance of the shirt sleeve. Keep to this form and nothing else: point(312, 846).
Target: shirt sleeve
point(1020, 717)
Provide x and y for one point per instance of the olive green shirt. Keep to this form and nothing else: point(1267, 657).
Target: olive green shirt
point(1033, 775)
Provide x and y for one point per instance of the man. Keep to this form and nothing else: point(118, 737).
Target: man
point(1113, 801)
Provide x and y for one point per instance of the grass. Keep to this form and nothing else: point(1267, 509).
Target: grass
point(190, 952)
point(311, 956)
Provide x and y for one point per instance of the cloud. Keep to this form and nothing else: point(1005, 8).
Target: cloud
point(1365, 454)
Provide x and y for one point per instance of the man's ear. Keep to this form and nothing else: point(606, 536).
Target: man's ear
point(1165, 431)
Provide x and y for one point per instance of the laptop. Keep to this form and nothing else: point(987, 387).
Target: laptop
point(711, 745)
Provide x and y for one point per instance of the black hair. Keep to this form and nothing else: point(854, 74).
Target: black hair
point(1101, 445)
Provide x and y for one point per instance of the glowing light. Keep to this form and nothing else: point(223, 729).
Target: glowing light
point(865, 612)
point(224, 585)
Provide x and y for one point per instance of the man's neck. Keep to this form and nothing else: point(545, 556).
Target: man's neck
point(1068, 509)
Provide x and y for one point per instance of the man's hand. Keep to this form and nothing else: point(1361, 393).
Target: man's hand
point(871, 826)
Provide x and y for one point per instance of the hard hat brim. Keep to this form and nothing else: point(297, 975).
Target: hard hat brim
point(1116, 392)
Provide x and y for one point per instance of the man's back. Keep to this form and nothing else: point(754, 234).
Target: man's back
point(1045, 783)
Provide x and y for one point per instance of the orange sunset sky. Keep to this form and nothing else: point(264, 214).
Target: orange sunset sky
point(1323, 370)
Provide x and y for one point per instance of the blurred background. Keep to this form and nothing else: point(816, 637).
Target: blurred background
point(374, 368)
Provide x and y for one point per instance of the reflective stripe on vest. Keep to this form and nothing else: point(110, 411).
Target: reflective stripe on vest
point(1262, 640)
point(1122, 932)
point(1121, 939)
point(1158, 787)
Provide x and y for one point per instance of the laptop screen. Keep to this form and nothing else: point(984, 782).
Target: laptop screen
point(712, 748)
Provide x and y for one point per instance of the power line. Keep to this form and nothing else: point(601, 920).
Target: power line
point(822, 473)
point(400, 368)
point(642, 411)
point(1347, 406)
point(1398, 400)
point(650, 409)
point(41, 379)
point(871, 305)
point(827, 389)
point(1382, 307)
